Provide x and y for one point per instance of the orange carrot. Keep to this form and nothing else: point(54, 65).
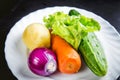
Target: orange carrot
point(69, 60)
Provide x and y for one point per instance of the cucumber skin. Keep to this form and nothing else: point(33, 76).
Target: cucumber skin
point(93, 54)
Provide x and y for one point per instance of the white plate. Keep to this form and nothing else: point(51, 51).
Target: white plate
point(15, 50)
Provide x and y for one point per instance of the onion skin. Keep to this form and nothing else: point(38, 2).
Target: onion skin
point(42, 61)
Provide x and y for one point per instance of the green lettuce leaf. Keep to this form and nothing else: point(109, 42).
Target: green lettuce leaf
point(70, 28)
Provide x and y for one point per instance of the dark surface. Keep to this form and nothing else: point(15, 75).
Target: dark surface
point(13, 10)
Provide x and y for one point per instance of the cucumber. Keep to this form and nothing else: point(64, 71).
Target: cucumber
point(73, 12)
point(93, 54)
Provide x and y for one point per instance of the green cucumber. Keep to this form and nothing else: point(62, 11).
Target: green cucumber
point(93, 54)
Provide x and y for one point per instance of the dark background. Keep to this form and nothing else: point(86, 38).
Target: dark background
point(13, 10)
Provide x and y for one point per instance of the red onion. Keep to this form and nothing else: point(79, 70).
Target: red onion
point(42, 61)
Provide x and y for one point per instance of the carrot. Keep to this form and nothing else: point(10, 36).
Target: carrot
point(69, 60)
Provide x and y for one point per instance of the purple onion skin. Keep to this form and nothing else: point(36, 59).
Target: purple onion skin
point(38, 59)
